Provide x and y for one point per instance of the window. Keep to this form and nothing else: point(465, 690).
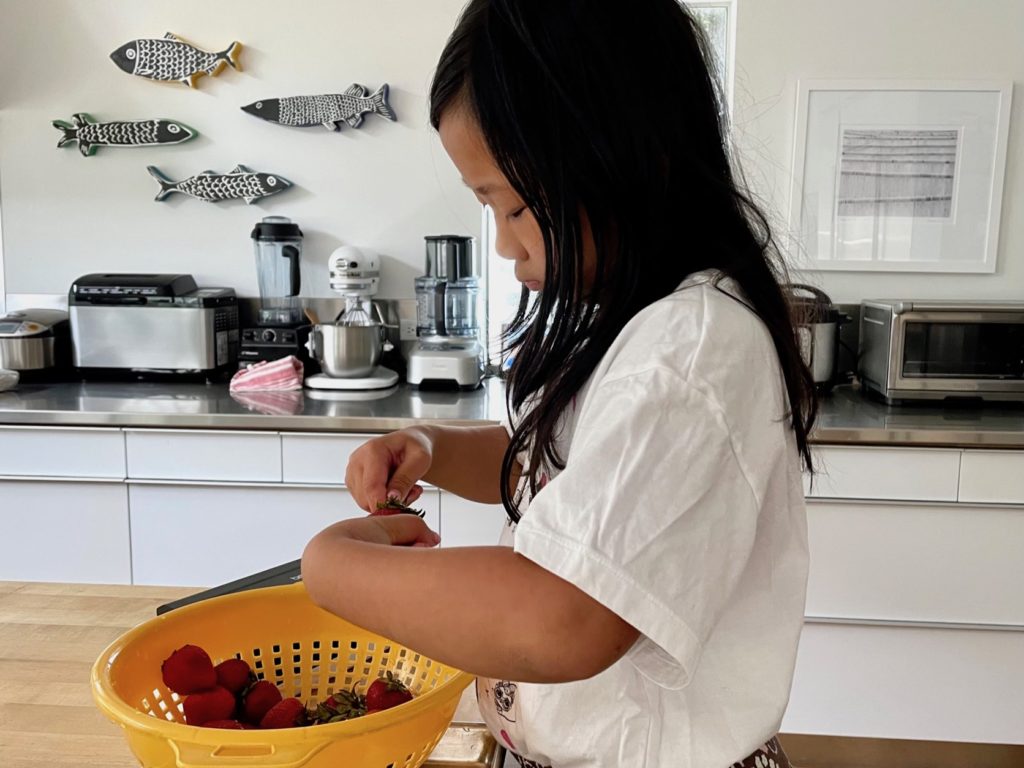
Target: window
point(718, 18)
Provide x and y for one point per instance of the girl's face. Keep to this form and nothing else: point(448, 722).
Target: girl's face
point(518, 237)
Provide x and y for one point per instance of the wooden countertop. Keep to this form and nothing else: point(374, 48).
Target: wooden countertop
point(50, 635)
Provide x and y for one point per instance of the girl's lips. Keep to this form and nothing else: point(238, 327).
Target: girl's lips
point(533, 285)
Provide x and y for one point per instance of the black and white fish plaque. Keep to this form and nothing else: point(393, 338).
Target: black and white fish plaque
point(169, 58)
point(212, 187)
point(122, 133)
point(329, 110)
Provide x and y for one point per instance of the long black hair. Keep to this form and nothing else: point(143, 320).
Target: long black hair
point(611, 110)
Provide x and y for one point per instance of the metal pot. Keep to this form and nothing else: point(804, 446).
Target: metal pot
point(347, 351)
point(818, 321)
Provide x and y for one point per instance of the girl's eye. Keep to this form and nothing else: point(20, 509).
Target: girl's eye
point(517, 213)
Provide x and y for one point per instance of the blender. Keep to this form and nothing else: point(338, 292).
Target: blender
point(350, 348)
point(448, 349)
point(280, 328)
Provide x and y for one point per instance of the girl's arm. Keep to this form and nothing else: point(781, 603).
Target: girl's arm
point(467, 460)
point(463, 460)
point(486, 610)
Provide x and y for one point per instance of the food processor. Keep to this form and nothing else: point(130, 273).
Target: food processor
point(280, 328)
point(448, 350)
point(349, 349)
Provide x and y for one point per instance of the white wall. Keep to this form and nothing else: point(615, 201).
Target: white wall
point(386, 185)
point(781, 41)
point(383, 186)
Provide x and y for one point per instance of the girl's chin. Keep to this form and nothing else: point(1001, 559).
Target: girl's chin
point(533, 285)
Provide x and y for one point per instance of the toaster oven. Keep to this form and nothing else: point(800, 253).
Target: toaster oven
point(933, 350)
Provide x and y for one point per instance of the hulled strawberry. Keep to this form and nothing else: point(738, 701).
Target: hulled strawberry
point(258, 700)
point(386, 692)
point(215, 704)
point(287, 713)
point(188, 670)
point(235, 675)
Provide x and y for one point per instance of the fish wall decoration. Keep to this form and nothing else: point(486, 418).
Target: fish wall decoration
point(171, 58)
point(212, 187)
point(329, 110)
point(136, 133)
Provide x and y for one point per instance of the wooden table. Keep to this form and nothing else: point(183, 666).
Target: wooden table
point(50, 635)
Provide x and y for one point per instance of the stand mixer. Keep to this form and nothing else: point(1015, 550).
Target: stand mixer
point(349, 348)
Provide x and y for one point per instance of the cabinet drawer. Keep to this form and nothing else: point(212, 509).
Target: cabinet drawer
point(65, 531)
point(62, 452)
point(470, 524)
point(317, 458)
point(992, 477)
point(908, 683)
point(912, 474)
point(202, 536)
point(916, 562)
point(204, 455)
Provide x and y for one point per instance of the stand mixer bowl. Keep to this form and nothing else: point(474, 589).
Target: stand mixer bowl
point(347, 351)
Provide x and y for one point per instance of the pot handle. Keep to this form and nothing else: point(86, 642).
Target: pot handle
point(311, 343)
point(388, 346)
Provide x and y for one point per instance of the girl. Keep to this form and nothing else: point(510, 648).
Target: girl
point(645, 603)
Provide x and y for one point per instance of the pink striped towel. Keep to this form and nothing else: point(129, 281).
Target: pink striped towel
point(283, 374)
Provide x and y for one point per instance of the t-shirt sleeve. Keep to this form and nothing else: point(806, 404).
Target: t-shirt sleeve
point(652, 516)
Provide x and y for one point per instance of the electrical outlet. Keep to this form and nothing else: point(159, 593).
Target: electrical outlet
point(407, 329)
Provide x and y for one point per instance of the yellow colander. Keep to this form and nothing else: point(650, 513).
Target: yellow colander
point(307, 652)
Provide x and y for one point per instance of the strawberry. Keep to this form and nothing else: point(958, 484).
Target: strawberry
point(343, 705)
point(235, 675)
point(287, 713)
point(386, 692)
point(215, 704)
point(258, 700)
point(232, 725)
point(188, 670)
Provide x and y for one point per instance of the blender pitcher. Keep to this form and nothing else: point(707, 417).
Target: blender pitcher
point(277, 242)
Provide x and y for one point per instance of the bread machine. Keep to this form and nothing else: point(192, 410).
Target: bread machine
point(152, 323)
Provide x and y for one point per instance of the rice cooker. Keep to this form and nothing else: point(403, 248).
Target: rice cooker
point(34, 340)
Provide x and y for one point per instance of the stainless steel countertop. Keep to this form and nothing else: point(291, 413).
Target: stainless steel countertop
point(211, 406)
point(845, 417)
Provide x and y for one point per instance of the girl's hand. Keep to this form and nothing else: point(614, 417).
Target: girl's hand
point(389, 467)
point(389, 530)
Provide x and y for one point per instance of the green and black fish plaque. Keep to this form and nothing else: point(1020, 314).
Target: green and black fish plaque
point(121, 133)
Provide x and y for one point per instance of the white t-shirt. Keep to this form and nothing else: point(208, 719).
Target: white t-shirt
point(681, 509)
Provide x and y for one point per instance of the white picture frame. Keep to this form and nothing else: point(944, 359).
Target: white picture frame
point(899, 176)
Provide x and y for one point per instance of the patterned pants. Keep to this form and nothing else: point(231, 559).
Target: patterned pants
point(768, 755)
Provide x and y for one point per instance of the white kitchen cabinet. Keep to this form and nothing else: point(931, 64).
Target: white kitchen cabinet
point(908, 683)
point(916, 562)
point(182, 454)
point(317, 457)
point(862, 472)
point(995, 477)
point(62, 452)
point(467, 523)
point(204, 535)
point(64, 531)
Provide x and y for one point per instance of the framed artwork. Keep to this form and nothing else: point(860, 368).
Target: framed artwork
point(899, 176)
